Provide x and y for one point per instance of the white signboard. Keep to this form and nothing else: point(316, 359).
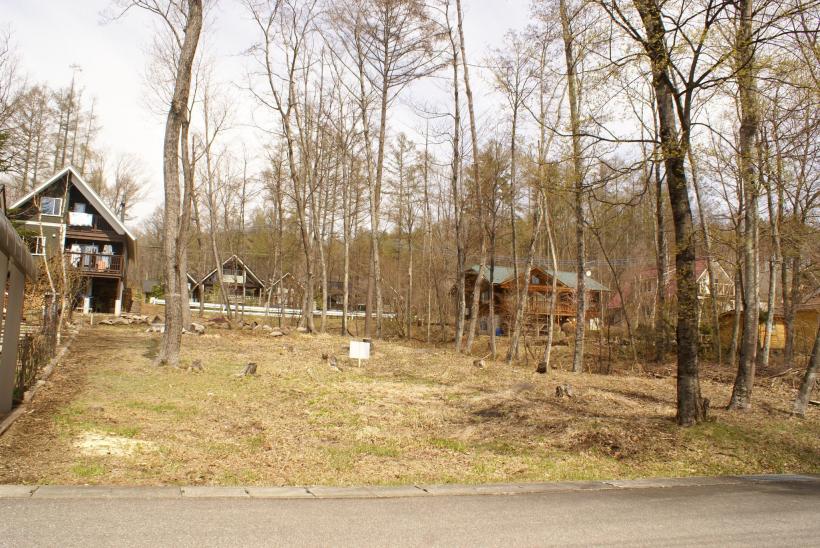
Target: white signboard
point(359, 350)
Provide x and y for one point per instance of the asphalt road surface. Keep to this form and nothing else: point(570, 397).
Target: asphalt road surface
point(767, 511)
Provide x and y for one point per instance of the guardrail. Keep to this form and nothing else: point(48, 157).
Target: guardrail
point(275, 311)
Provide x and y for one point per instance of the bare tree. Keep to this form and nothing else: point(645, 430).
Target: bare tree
point(183, 20)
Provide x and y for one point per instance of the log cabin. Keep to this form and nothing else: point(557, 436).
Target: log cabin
point(66, 215)
point(538, 303)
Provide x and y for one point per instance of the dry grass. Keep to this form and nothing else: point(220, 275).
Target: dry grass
point(412, 414)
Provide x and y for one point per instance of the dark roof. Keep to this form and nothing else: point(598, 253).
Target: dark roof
point(503, 273)
point(241, 263)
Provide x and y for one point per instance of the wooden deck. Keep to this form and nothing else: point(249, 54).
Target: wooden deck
point(96, 264)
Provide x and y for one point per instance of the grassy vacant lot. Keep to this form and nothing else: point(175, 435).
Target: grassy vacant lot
point(412, 414)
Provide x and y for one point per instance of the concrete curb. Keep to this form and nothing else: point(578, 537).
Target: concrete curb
point(378, 492)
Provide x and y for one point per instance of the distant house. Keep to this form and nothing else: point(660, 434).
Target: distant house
point(805, 326)
point(149, 285)
point(640, 289)
point(65, 213)
point(538, 302)
point(241, 284)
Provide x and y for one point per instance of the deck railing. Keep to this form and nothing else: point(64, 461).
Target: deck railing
point(95, 263)
point(540, 307)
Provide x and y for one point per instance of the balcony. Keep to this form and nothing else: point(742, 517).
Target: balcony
point(95, 264)
point(89, 225)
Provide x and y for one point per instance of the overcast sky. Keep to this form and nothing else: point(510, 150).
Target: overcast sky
point(52, 35)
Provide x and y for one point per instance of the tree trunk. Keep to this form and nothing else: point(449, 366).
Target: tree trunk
point(690, 406)
point(457, 202)
point(774, 262)
point(554, 292)
point(804, 393)
point(710, 260)
point(512, 352)
point(578, 185)
point(661, 265)
point(747, 91)
point(468, 90)
point(790, 301)
point(172, 337)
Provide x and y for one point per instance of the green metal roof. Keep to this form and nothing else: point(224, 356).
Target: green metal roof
point(503, 273)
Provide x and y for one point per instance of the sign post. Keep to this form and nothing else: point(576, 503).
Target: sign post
point(359, 351)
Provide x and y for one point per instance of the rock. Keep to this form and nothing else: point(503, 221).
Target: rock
point(156, 328)
point(564, 390)
point(249, 369)
point(302, 330)
point(479, 363)
point(197, 328)
point(333, 363)
point(196, 366)
point(276, 333)
point(266, 328)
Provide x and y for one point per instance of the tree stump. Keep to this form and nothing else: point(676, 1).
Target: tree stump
point(542, 368)
point(249, 369)
point(196, 366)
point(333, 363)
point(564, 390)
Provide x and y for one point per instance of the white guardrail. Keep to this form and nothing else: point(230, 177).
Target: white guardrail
point(269, 311)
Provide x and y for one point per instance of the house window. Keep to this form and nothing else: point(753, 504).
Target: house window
point(535, 280)
point(51, 206)
point(485, 296)
point(37, 245)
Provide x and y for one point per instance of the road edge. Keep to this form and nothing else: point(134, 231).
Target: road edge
point(379, 492)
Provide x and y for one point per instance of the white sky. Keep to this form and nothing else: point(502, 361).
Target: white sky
point(51, 35)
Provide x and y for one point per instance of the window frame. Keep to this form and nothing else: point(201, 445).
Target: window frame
point(39, 246)
point(55, 200)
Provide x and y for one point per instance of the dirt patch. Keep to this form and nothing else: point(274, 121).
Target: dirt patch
point(97, 444)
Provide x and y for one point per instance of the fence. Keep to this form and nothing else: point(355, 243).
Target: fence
point(35, 348)
point(16, 265)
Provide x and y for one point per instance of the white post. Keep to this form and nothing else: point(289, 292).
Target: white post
point(11, 332)
point(86, 305)
point(4, 271)
point(118, 302)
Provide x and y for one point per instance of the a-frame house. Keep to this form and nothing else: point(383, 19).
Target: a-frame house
point(66, 214)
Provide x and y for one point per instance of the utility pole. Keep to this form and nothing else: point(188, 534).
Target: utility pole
point(75, 68)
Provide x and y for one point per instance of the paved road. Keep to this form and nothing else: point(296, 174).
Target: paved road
point(750, 512)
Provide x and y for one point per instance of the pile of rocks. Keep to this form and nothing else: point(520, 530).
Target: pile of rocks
point(132, 319)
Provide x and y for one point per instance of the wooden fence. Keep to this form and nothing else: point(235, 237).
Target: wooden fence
point(16, 265)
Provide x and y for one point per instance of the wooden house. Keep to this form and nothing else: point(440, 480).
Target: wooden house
point(639, 288)
point(805, 326)
point(242, 285)
point(539, 297)
point(65, 213)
